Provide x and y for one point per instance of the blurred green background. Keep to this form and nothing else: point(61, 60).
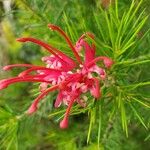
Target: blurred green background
point(20, 18)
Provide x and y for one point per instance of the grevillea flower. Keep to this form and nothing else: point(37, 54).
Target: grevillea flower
point(71, 78)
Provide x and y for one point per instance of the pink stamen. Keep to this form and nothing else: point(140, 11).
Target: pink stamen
point(8, 67)
point(33, 107)
point(5, 83)
point(38, 42)
point(107, 61)
point(2, 86)
point(54, 27)
point(64, 122)
point(47, 47)
point(37, 76)
point(26, 72)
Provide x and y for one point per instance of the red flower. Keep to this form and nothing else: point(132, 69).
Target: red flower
point(71, 78)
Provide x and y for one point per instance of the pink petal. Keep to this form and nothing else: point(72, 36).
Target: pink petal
point(89, 52)
point(43, 86)
point(68, 65)
point(81, 102)
point(95, 90)
point(58, 100)
point(99, 71)
point(78, 45)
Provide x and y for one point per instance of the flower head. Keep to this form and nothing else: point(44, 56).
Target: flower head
point(71, 78)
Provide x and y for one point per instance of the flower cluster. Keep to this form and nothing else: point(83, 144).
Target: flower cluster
point(71, 78)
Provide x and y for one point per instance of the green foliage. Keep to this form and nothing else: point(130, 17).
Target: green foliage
point(8, 129)
point(114, 122)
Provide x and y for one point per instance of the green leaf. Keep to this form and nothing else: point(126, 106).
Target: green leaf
point(134, 86)
point(141, 102)
point(92, 114)
point(138, 116)
point(123, 117)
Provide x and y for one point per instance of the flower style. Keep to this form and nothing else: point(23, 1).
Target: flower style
point(71, 78)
